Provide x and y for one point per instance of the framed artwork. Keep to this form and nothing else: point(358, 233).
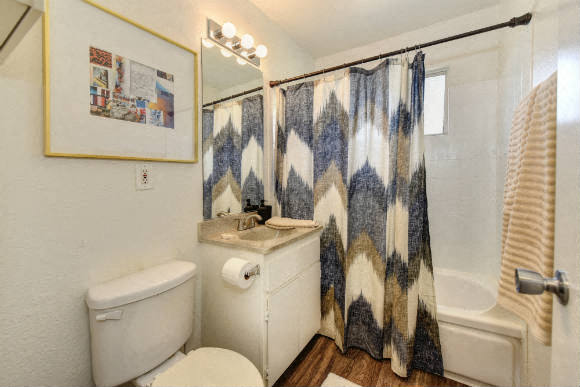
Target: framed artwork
point(115, 89)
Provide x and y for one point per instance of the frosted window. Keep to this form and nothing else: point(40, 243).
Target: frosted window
point(434, 113)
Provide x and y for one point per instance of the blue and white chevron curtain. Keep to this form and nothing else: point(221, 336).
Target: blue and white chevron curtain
point(350, 155)
point(233, 153)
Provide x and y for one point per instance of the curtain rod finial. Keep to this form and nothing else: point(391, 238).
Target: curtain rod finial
point(521, 20)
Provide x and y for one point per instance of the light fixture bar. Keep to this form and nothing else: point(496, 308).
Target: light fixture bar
point(234, 44)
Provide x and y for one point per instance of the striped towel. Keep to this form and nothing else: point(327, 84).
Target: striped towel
point(279, 223)
point(528, 206)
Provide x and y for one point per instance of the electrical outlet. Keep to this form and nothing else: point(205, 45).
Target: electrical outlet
point(144, 177)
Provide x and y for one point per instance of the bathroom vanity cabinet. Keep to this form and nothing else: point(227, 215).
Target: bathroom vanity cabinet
point(271, 321)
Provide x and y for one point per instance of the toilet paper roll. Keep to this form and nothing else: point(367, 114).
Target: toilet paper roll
point(233, 272)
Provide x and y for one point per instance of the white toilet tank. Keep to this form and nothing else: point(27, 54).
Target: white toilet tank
point(140, 320)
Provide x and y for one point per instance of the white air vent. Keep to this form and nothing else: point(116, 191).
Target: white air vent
point(16, 18)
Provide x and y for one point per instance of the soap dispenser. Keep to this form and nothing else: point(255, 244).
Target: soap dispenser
point(249, 207)
point(264, 211)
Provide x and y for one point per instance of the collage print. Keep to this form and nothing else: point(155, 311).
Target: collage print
point(127, 90)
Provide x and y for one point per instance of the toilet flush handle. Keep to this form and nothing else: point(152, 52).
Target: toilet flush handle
point(113, 315)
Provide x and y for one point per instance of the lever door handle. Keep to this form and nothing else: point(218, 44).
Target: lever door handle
point(530, 282)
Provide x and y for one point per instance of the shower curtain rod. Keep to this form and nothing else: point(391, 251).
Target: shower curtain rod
point(232, 96)
point(513, 22)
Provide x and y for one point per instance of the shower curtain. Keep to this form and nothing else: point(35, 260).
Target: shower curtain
point(350, 155)
point(233, 143)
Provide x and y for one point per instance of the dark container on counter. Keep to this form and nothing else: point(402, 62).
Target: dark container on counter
point(264, 211)
point(249, 207)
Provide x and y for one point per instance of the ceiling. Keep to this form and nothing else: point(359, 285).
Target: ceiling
point(324, 27)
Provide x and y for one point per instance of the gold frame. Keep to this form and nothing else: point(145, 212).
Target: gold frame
point(46, 84)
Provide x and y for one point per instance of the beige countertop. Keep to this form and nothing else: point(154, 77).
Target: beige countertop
point(260, 239)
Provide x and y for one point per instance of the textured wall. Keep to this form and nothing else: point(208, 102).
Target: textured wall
point(68, 224)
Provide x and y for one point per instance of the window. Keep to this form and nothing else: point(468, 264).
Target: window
point(435, 102)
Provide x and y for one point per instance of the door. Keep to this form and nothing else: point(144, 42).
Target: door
point(565, 369)
point(294, 318)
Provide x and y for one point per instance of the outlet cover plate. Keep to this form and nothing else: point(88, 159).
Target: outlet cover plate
point(143, 177)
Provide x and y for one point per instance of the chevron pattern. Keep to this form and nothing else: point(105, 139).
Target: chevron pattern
point(252, 149)
point(331, 96)
point(295, 178)
point(233, 155)
point(279, 172)
point(350, 147)
point(207, 155)
point(227, 155)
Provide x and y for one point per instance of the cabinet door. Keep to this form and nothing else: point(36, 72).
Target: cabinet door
point(294, 319)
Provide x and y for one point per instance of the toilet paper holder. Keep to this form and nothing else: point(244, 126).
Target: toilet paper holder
point(254, 271)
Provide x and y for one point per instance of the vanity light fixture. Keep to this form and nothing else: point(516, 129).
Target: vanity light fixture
point(224, 36)
point(247, 41)
point(229, 30)
point(261, 51)
point(207, 43)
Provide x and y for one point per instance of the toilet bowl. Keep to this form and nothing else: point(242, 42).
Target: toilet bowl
point(139, 322)
point(210, 367)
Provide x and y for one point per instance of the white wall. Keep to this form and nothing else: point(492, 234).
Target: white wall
point(461, 165)
point(68, 224)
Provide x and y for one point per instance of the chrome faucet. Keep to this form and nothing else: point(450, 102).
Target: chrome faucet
point(247, 222)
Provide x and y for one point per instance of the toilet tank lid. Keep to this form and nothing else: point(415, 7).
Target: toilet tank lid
point(140, 285)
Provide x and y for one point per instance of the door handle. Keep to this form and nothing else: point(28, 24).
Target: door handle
point(530, 282)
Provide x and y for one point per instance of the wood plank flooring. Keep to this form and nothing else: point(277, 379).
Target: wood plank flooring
point(321, 356)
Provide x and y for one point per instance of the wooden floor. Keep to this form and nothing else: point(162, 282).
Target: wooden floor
point(321, 356)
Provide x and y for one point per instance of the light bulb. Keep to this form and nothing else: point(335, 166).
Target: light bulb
point(261, 51)
point(244, 53)
point(229, 30)
point(207, 43)
point(229, 44)
point(247, 41)
point(226, 53)
point(240, 61)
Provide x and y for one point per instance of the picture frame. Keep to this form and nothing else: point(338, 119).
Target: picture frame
point(142, 98)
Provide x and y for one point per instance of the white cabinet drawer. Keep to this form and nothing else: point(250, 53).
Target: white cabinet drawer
point(288, 263)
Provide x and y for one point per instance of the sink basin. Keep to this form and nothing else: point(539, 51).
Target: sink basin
point(262, 234)
point(260, 239)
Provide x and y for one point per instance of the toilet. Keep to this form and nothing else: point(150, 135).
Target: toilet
point(138, 325)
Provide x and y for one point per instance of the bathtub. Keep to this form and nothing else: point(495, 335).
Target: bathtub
point(481, 343)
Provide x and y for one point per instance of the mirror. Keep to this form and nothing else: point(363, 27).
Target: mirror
point(232, 133)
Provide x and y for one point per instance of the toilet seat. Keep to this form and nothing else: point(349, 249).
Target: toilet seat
point(211, 367)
